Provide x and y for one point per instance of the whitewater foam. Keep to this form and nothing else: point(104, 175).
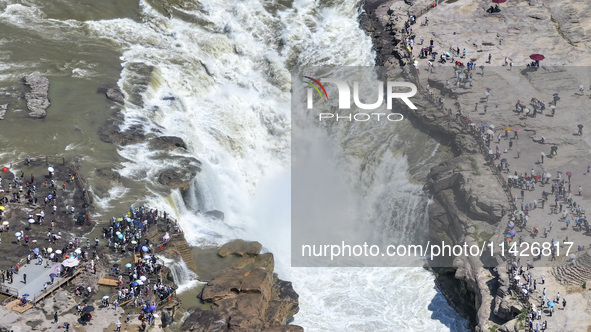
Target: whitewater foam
point(230, 82)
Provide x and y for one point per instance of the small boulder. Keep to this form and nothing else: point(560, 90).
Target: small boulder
point(180, 177)
point(115, 95)
point(111, 133)
point(37, 100)
point(240, 248)
point(167, 143)
point(108, 173)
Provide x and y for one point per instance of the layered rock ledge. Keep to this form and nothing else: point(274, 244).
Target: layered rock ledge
point(248, 296)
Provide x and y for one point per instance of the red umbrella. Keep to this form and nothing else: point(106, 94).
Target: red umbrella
point(536, 57)
point(499, 1)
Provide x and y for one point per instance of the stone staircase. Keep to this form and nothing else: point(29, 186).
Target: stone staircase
point(182, 247)
point(573, 272)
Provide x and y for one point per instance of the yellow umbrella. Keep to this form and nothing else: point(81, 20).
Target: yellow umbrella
point(2, 208)
point(507, 128)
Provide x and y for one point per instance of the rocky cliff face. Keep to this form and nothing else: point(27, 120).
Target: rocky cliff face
point(468, 200)
point(246, 297)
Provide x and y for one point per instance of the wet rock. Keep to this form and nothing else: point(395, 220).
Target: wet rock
point(3, 109)
point(37, 100)
point(285, 328)
point(110, 133)
point(215, 214)
point(240, 248)
point(166, 319)
point(180, 177)
point(167, 143)
point(108, 173)
point(115, 95)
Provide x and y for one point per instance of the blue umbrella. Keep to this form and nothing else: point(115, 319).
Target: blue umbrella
point(508, 235)
point(36, 251)
point(26, 294)
point(484, 125)
point(145, 249)
point(134, 284)
point(120, 236)
point(550, 303)
point(513, 232)
point(49, 196)
point(128, 265)
point(504, 160)
point(53, 275)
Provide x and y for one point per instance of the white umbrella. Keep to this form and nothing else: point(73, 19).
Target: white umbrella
point(59, 252)
point(18, 234)
point(50, 169)
point(31, 221)
point(490, 132)
point(143, 278)
point(147, 256)
point(78, 251)
point(106, 297)
point(543, 153)
point(49, 250)
point(5, 223)
point(70, 262)
point(491, 126)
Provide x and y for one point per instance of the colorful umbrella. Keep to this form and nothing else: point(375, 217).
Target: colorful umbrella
point(513, 232)
point(517, 129)
point(128, 265)
point(536, 57)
